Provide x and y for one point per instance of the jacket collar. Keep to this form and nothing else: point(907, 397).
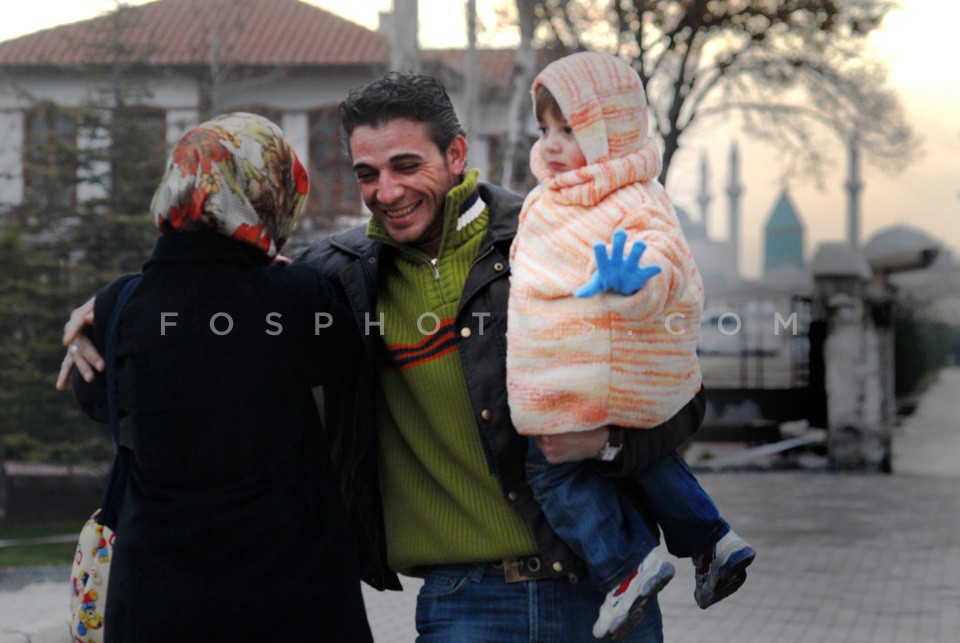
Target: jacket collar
point(504, 210)
point(203, 246)
point(354, 240)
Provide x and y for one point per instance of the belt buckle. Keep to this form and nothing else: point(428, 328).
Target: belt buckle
point(512, 570)
point(517, 570)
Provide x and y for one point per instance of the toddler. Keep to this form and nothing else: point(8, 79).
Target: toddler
point(596, 340)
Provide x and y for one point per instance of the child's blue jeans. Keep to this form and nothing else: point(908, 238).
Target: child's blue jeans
point(606, 530)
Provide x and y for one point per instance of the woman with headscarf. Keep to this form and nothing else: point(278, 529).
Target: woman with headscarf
point(232, 526)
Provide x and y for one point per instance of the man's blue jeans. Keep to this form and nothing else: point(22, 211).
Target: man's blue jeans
point(606, 530)
point(463, 603)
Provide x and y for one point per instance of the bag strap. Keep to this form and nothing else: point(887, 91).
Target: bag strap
point(111, 357)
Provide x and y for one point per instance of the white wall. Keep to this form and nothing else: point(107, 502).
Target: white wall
point(296, 127)
point(11, 154)
point(295, 94)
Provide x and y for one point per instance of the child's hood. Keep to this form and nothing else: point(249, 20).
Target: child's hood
point(604, 102)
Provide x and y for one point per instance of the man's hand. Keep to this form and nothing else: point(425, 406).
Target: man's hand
point(616, 274)
point(570, 447)
point(80, 350)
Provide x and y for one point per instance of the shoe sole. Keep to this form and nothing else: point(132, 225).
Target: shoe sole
point(639, 607)
point(733, 578)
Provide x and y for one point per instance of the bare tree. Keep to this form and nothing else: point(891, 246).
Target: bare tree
point(226, 21)
point(524, 71)
point(792, 70)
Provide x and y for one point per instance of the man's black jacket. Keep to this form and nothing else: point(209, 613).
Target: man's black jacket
point(352, 263)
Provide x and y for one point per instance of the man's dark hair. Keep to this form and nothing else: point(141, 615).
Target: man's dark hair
point(415, 97)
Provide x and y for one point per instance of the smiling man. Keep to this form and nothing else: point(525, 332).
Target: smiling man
point(444, 455)
point(430, 464)
point(405, 178)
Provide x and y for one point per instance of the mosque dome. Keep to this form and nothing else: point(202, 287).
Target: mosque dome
point(783, 236)
point(900, 248)
point(784, 216)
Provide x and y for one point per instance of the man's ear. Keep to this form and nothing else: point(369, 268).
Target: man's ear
point(457, 154)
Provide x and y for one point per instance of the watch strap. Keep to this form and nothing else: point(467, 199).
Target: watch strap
point(614, 444)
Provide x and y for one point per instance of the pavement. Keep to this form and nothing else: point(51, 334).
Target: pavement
point(841, 556)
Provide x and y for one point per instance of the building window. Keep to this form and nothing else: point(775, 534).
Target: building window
point(333, 184)
point(50, 157)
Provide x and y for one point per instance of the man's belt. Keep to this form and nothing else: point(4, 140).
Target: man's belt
point(519, 569)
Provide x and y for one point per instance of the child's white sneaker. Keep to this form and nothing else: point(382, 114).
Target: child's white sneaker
point(624, 606)
point(722, 569)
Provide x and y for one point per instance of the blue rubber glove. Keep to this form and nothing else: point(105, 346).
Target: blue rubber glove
point(616, 274)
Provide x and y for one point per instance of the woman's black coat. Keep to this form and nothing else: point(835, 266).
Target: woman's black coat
point(232, 526)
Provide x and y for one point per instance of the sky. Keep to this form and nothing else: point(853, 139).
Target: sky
point(925, 195)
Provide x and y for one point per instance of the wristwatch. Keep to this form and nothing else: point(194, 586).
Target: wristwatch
point(614, 444)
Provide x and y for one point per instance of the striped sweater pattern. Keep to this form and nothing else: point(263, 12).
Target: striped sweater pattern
point(578, 364)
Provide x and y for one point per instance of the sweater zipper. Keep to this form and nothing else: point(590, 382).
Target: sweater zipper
point(436, 269)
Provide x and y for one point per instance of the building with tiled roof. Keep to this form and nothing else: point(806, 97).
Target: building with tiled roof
point(288, 60)
point(181, 32)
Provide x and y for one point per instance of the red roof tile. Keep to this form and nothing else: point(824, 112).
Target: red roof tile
point(180, 32)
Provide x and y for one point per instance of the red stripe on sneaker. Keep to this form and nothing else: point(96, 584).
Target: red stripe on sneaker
point(625, 584)
point(706, 560)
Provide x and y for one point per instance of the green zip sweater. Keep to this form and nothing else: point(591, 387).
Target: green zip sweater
point(441, 503)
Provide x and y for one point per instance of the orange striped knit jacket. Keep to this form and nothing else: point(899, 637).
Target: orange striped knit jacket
point(577, 364)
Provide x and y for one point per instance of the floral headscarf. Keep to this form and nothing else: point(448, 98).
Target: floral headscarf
point(235, 174)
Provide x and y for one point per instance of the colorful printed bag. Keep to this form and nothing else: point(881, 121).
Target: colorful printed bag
point(91, 562)
point(88, 580)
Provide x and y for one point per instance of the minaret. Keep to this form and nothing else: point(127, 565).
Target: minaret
point(734, 190)
point(704, 197)
point(854, 185)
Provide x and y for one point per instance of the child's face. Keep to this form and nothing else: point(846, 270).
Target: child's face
point(559, 148)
